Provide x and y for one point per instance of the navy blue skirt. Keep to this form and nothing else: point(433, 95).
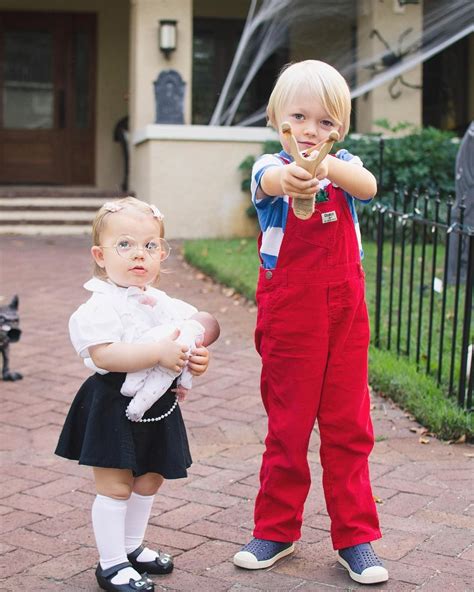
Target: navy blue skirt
point(97, 432)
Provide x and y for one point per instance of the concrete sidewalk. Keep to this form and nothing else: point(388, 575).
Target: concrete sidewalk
point(425, 490)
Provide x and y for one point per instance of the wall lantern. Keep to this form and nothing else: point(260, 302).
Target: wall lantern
point(167, 37)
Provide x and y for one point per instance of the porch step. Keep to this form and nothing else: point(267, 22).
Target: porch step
point(51, 210)
point(38, 191)
point(46, 229)
point(50, 203)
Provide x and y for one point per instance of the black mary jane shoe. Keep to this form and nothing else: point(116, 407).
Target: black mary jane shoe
point(161, 565)
point(104, 577)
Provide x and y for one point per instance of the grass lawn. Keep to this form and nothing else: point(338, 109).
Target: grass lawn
point(235, 263)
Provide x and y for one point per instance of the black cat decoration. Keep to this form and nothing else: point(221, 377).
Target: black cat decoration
point(9, 333)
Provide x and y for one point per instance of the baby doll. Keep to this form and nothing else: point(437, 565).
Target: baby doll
point(148, 385)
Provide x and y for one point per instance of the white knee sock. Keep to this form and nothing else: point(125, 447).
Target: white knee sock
point(108, 522)
point(136, 521)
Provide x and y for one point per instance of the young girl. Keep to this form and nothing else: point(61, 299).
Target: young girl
point(130, 460)
point(313, 331)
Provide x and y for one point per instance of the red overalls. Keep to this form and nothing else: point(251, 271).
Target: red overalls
point(312, 335)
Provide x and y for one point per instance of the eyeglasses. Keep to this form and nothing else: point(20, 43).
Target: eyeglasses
point(127, 247)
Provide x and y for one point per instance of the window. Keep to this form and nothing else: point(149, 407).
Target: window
point(214, 45)
point(446, 88)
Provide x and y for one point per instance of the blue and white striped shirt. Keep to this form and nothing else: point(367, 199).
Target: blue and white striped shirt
point(273, 211)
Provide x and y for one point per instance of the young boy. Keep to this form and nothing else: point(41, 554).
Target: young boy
point(313, 331)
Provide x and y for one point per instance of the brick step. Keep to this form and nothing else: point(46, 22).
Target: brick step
point(51, 210)
point(47, 221)
point(41, 191)
point(46, 216)
point(45, 229)
point(51, 203)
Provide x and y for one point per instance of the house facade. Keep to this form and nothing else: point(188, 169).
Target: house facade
point(79, 101)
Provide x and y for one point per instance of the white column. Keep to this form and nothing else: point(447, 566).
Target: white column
point(391, 20)
point(147, 61)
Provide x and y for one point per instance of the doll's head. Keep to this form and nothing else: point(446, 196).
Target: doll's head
point(128, 242)
point(311, 80)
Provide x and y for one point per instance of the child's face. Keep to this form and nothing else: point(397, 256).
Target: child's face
point(134, 266)
point(310, 123)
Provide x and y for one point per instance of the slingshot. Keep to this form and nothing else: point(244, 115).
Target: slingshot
point(304, 208)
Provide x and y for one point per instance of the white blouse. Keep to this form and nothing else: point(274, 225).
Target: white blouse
point(114, 314)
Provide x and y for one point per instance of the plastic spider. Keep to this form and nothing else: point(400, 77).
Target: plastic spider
point(391, 58)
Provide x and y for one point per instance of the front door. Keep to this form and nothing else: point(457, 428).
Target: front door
point(47, 96)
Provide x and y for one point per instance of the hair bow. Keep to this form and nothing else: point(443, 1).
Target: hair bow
point(156, 212)
point(111, 206)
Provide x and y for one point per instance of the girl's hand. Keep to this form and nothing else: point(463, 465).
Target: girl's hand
point(198, 360)
point(171, 354)
point(297, 182)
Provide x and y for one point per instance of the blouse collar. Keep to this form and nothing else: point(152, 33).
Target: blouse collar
point(111, 289)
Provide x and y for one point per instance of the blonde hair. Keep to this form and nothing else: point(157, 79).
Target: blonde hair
point(318, 79)
point(100, 222)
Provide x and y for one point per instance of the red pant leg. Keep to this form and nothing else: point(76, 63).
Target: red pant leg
point(344, 420)
point(292, 339)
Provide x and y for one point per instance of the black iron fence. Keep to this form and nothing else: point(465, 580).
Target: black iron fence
point(424, 287)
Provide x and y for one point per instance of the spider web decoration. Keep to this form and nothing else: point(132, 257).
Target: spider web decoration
point(266, 30)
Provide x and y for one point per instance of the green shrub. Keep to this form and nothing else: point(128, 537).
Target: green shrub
point(424, 159)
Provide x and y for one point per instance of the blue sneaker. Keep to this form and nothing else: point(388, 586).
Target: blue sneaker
point(363, 564)
point(260, 553)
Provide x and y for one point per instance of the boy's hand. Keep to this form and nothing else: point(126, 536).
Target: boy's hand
point(171, 354)
point(297, 182)
point(322, 172)
point(198, 360)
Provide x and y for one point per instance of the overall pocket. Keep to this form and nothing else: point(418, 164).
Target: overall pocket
point(321, 229)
